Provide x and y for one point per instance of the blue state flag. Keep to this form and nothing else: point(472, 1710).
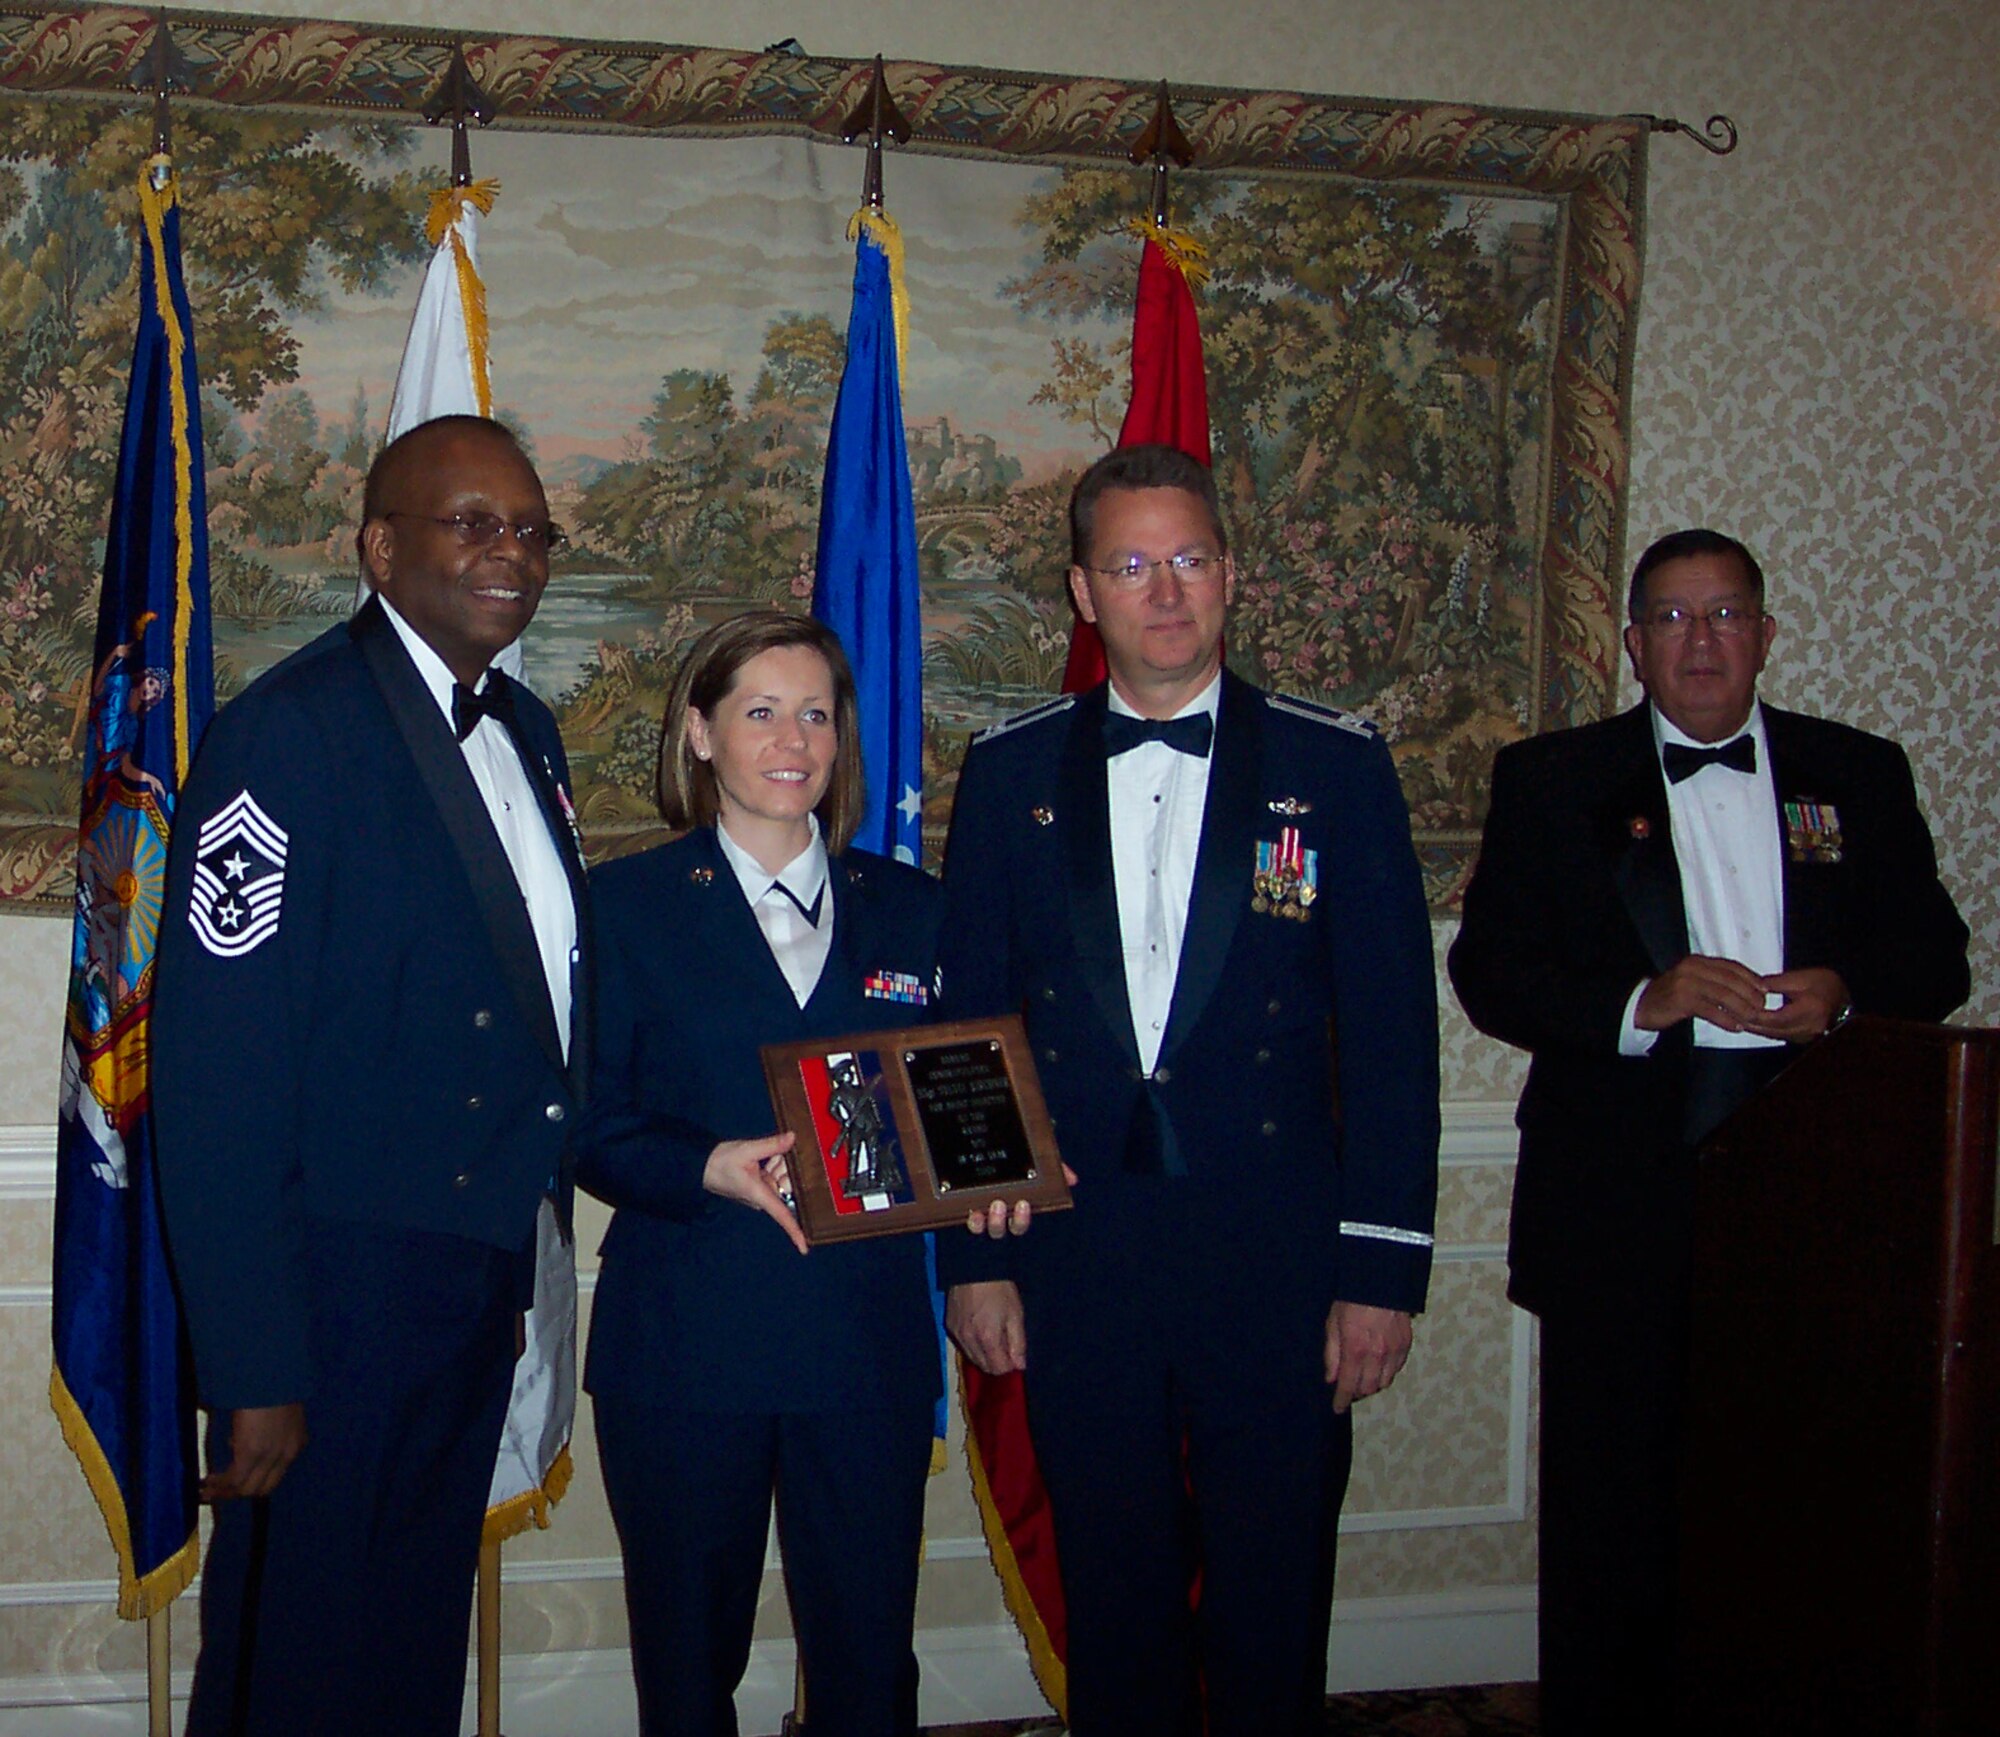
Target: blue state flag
point(865, 584)
point(123, 1385)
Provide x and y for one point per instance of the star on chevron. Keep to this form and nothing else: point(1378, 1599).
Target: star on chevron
point(236, 867)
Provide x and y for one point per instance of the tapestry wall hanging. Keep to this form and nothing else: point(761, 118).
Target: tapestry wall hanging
point(1417, 320)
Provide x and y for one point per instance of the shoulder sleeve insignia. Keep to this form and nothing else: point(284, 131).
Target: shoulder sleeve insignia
point(239, 878)
point(1033, 715)
point(1318, 714)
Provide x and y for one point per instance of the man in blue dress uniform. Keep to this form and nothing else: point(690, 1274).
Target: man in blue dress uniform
point(1187, 886)
point(368, 1052)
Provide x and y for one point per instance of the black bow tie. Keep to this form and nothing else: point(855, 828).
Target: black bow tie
point(1681, 761)
point(467, 707)
point(1190, 735)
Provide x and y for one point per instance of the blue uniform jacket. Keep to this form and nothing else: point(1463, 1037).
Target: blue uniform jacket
point(1332, 1192)
point(702, 1304)
point(384, 1049)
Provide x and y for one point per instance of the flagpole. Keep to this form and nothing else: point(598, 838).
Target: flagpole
point(166, 73)
point(489, 1638)
point(159, 1673)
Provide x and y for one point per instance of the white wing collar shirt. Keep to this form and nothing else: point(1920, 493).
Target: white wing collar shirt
point(1725, 835)
point(1157, 796)
point(495, 764)
point(792, 908)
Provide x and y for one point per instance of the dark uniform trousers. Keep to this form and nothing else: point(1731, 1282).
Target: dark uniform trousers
point(337, 1605)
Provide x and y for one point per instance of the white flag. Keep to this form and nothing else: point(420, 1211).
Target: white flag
point(446, 371)
point(446, 368)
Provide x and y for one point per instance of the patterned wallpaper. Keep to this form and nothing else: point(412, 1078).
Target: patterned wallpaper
point(1818, 372)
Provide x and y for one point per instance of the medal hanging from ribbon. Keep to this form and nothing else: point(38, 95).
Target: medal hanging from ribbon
point(1287, 879)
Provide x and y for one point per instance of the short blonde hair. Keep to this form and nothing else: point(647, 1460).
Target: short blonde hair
point(688, 792)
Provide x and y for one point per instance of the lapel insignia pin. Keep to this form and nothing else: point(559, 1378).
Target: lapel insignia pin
point(1289, 806)
point(1287, 879)
point(563, 802)
point(1812, 831)
point(701, 876)
point(1639, 827)
point(1042, 816)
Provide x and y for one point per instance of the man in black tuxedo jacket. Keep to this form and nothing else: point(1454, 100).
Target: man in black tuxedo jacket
point(1666, 905)
point(1182, 882)
point(369, 1048)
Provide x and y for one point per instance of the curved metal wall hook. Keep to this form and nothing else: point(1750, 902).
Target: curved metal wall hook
point(1718, 137)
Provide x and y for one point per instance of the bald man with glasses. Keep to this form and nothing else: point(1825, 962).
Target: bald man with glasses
point(370, 1033)
point(1667, 905)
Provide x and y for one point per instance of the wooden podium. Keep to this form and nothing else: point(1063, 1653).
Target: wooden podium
point(1841, 1504)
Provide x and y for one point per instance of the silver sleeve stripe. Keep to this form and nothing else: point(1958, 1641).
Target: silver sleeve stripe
point(1386, 1233)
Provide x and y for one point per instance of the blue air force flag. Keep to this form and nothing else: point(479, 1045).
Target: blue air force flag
point(865, 583)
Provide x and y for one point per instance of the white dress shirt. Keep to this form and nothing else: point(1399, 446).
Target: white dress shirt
point(1725, 836)
point(495, 765)
point(781, 903)
point(1157, 797)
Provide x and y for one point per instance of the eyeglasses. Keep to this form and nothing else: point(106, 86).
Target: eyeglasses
point(1725, 620)
point(481, 530)
point(1189, 569)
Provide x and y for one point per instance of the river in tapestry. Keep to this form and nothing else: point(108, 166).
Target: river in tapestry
point(667, 334)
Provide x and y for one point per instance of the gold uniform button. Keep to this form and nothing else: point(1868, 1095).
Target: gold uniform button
point(475, 1102)
point(555, 1112)
point(1270, 1128)
point(483, 1019)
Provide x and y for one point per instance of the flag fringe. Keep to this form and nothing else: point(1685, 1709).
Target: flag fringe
point(448, 206)
point(881, 229)
point(139, 1597)
point(158, 194)
point(1051, 1675)
point(1185, 253)
point(448, 202)
point(531, 1508)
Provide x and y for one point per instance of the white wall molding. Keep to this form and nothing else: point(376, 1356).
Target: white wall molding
point(1484, 1634)
point(27, 1161)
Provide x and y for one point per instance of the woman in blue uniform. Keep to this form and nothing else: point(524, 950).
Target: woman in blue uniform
point(725, 1361)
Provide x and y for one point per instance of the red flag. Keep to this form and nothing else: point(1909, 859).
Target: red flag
point(1169, 398)
point(1169, 408)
